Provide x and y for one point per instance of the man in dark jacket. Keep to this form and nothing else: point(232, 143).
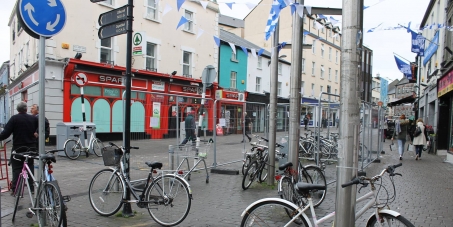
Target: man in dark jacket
point(22, 126)
point(190, 128)
point(34, 110)
point(306, 122)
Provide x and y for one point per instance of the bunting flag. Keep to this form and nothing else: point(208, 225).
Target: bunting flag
point(403, 67)
point(318, 25)
point(229, 4)
point(277, 6)
point(250, 5)
point(182, 21)
point(260, 52)
point(300, 10)
point(418, 44)
point(280, 46)
point(233, 47)
point(308, 9)
point(245, 51)
point(372, 29)
point(365, 7)
point(166, 9)
point(333, 20)
point(306, 33)
point(293, 8)
point(408, 29)
point(322, 16)
point(217, 41)
point(179, 3)
point(253, 51)
point(204, 4)
point(200, 32)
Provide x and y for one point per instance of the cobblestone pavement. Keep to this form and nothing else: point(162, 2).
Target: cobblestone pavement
point(424, 192)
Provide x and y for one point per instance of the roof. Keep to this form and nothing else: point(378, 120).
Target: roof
point(427, 13)
point(231, 21)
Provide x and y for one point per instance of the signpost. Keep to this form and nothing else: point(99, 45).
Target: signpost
point(111, 30)
point(81, 79)
point(113, 16)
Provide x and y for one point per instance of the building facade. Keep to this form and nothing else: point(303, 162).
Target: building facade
point(4, 97)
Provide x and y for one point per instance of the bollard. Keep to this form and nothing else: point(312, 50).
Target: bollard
point(171, 156)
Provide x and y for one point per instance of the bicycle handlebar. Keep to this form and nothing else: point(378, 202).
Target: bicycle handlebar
point(390, 169)
point(276, 144)
point(122, 148)
point(53, 151)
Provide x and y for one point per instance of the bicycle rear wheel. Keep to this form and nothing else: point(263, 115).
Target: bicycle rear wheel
point(250, 175)
point(247, 162)
point(72, 149)
point(50, 204)
point(168, 199)
point(97, 146)
point(314, 175)
point(18, 193)
point(389, 220)
point(272, 213)
point(106, 192)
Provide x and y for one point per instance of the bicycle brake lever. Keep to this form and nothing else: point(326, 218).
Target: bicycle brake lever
point(363, 186)
point(393, 174)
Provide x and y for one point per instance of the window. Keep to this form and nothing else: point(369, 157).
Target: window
point(313, 68)
point(151, 57)
point(322, 71)
point(313, 46)
point(302, 88)
point(330, 33)
point(187, 64)
point(152, 9)
point(19, 27)
point(24, 96)
point(106, 50)
point(258, 84)
point(336, 75)
point(233, 79)
point(234, 56)
point(328, 89)
point(260, 62)
point(322, 50)
point(188, 25)
point(335, 91)
point(303, 65)
point(314, 24)
point(321, 88)
point(13, 28)
point(322, 29)
point(279, 91)
point(330, 53)
point(336, 56)
point(279, 68)
point(330, 74)
point(312, 89)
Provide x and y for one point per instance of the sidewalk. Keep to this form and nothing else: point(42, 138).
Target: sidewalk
point(424, 193)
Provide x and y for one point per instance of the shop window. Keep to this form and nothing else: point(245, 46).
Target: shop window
point(112, 92)
point(87, 90)
point(233, 79)
point(186, 64)
point(151, 9)
point(106, 50)
point(137, 95)
point(151, 57)
point(188, 26)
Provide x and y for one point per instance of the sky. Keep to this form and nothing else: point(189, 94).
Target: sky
point(383, 43)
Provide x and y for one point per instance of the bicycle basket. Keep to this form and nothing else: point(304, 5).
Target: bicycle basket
point(111, 156)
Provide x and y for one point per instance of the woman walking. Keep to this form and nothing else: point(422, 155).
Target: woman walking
point(420, 139)
point(400, 133)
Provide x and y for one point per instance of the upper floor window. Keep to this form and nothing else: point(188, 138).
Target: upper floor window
point(233, 79)
point(328, 89)
point(187, 64)
point(336, 75)
point(188, 26)
point(302, 88)
point(330, 53)
point(106, 50)
point(152, 9)
point(312, 89)
point(19, 27)
point(279, 91)
point(330, 74)
point(258, 84)
point(234, 56)
point(322, 71)
point(321, 88)
point(260, 62)
point(313, 46)
point(151, 57)
point(303, 65)
point(322, 50)
point(313, 68)
point(279, 68)
point(336, 56)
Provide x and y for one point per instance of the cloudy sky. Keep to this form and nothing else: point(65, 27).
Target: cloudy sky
point(383, 43)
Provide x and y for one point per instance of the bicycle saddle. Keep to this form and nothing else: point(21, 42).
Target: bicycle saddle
point(305, 187)
point(48, 157)
point(286, 165)
point(154, 165)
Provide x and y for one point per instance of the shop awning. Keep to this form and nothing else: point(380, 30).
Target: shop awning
point(408, 99)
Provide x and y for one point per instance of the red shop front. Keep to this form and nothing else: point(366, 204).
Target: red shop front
point(230, 108)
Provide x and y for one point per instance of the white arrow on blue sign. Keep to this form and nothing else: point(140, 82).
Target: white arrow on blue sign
point(44, 17)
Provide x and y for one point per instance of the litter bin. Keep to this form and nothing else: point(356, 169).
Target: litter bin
point(65, 131)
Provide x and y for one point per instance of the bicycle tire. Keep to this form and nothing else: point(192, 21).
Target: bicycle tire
point(96, 146)
point(271, 213)
point(64, 219)
point(389, 218)
point(72, 149)
point(263, 168)
point(104, 200)
point(314, 175)
point(164, 208)
point(50, 204)
point(249, 175)
point(17, 194)
point(247, 162)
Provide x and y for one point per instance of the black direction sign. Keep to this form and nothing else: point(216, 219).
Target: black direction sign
point(113, 16)
point(111, 30)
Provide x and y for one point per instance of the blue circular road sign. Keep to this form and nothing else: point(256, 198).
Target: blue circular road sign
point(43, 17)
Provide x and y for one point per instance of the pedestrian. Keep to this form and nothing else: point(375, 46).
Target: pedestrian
point(23, 127)
point(337, 121)
point(34, 110)
point(306, 122)
point(247, 122)
point(400, 133)
point(420, 139)
point(190, 126)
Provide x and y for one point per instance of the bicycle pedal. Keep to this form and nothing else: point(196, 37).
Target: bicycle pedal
point(29, 214)
point(87, 154)
point(66, 198)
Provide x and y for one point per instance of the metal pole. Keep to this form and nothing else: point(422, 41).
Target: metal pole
point(127, 209)
point(84, 121)
point(419, 88)
point(42, 109)
point(350, 114)
point(273, 106)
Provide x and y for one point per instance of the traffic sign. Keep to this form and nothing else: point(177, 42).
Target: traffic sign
point(44, 18)
point(208, 75)
point(111, 30)
point(80, 79)
point(113, 16)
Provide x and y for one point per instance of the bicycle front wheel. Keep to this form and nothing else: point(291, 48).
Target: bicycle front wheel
point(314, 175)
point(72, 149)
point(272, 213)
point(106, 192)
point(18, 193)
point(263, 168)
point(168, 199)
point(250, 175)
point(97, 146)
point(247, 162)
point(389, 220)
point(50, 204)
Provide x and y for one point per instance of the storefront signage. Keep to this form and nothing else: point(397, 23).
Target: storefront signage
point(158, 86)
point(445, 84)
point(138, 44)
point(80, 49)
point(195, 90)
point(111, 79)
point(231, 96)
point(432, 95)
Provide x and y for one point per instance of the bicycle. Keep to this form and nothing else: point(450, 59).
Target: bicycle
point(166, 196)
point(73, 147)
point(248, 156)
point(429, 145)
point(49, 203)
point(280, 212)
point(199, 152)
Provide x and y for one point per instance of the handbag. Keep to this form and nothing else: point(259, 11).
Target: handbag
point(417, 132)
point(392, 146)
point(410, 147)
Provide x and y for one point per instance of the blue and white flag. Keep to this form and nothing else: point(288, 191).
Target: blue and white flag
point(431, 49)
point(418, 44)
point(333, 21)
point(277, 6)
point(404, 67)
